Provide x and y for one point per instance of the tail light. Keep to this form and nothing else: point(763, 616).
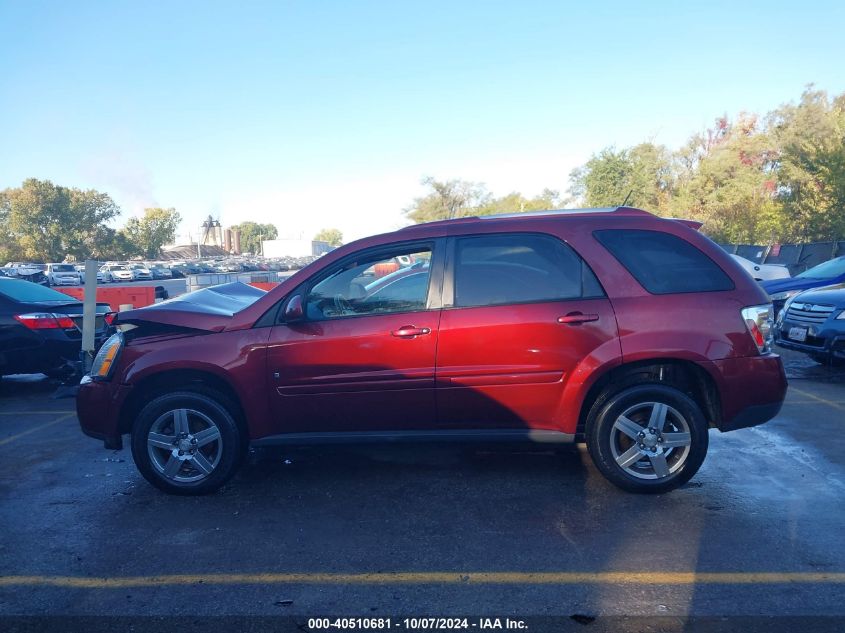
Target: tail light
point(109, 317)
point(758, 320)
point(45, 321)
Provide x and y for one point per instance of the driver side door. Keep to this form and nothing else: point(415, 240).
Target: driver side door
point(362, 356)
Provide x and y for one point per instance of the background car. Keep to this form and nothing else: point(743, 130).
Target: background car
point(27, 272)
point(813, 322)
point(763, 272)
point(118, 272)
point(41, 329)
point(825, 274)
point(104, 276)
point(140, 272)
point(160, 271)
point(62, 275)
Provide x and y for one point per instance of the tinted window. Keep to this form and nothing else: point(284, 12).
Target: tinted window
point(663, 263)
point(519, 268)
point(380, 284)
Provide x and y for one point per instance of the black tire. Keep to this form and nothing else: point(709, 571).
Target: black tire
point(603, 440)
point(203, 407)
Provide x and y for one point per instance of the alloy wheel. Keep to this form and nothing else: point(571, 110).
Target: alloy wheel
point(184, 445)
point(650, 440)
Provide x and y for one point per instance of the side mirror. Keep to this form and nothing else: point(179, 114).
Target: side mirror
point(294, 310)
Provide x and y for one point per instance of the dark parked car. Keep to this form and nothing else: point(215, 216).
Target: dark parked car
point(813, 322)
point(41, 329)
point(633, 333)
point(825, 274)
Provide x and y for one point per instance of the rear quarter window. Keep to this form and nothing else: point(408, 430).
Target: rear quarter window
point(663, 263)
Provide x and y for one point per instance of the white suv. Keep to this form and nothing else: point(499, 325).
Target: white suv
point(62, 275)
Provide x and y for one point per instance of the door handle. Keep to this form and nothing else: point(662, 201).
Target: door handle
point(574, 318)
point(410, 331)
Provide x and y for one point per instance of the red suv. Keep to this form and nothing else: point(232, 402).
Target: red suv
point(633, 333)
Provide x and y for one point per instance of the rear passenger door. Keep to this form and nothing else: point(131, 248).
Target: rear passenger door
point(521, 312)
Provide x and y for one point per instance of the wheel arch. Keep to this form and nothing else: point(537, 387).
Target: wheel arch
point(206, 382)
point(685, 375)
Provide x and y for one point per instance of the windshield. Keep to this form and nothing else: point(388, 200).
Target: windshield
point(827, 270)
point(28, 292)
point(63, 268)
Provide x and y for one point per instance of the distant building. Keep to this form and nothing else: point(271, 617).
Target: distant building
point(232, 241)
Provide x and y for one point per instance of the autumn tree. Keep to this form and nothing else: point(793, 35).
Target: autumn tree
point(515, 202)
point(447, 199)
point(460, 198)
point(810, 164)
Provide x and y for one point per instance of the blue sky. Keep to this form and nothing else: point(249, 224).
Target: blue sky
point(318, 114)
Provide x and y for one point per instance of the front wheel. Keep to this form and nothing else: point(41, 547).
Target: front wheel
point(186, 443)
point(649, 438)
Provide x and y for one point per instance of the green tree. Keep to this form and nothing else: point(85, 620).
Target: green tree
point(147, 234)
point(644, 175)
point(253, 233)
point(334, 237)
point(47, 222)
point(810, 138)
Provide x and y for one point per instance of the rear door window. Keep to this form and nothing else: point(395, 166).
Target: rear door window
point(519, 268)
point(663, 263)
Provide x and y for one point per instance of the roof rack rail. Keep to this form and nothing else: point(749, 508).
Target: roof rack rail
point(521, 214)
point(529, 214)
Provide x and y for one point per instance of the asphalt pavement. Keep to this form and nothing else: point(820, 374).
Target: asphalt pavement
point(428, 530)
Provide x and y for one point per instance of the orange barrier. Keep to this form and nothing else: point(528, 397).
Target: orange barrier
point(385, 268)
point(264, 285)
point(136, 296)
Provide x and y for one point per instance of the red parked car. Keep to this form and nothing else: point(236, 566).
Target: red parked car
point(633, 333)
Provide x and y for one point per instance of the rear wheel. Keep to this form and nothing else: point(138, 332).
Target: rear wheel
point(649, 438)
point(186, 443)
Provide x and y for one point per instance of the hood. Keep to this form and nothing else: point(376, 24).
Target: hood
point(208, 309)
point(792, 283)
point(831, 295)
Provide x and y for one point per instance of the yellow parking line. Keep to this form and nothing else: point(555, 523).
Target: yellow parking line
point(412, 578)
point(813, 396)
point(36, 428)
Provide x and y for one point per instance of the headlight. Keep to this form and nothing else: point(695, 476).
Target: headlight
point(841, 316)
point(106, 357)
point(783, 296)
